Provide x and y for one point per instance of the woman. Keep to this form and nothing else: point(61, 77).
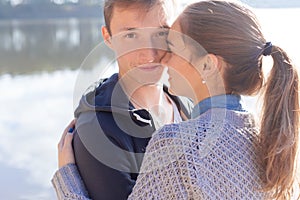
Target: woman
point(221, 153)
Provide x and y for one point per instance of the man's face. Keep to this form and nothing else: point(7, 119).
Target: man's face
point(139, 41)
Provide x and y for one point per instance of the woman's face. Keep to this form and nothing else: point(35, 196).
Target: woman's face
point(184, 77)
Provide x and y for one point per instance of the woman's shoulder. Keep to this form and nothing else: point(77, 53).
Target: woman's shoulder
point(203, 130)
point(211, 120)
point(175, 137)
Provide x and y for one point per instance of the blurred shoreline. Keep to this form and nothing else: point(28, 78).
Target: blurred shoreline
point(34, 46)
point(47, 9)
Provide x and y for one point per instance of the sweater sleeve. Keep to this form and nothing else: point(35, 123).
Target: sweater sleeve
point(161, 171)
point(68, 184)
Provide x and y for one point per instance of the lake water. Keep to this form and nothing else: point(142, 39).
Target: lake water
point(39, 78)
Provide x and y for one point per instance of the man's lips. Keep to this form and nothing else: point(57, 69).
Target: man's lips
point(149, 67)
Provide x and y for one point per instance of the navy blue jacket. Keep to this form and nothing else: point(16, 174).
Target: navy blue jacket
point(110, 139)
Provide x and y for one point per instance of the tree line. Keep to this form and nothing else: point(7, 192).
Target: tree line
point(31, 11)
point(36, 9)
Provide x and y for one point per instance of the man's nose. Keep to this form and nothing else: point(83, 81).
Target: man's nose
point(148, 55)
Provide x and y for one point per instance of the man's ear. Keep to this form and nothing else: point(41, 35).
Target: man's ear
point(106, 36)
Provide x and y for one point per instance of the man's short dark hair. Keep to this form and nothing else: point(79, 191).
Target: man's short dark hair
point(144, 5)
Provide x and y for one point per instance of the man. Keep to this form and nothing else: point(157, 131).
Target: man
point(116, 120)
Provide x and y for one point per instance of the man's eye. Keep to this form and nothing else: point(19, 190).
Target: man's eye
point(130, 35)
point(162, 33)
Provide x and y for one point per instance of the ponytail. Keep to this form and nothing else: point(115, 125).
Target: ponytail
point(280, 126)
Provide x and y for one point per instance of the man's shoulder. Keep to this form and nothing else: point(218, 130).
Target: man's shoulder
point(101, 91)
point(102, 84)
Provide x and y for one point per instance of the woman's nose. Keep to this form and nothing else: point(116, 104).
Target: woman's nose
point(165, 59)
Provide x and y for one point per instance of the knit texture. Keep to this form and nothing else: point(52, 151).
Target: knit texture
point(68, 184)
point(210, 157)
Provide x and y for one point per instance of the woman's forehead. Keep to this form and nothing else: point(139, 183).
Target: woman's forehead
point(175, 36)
point(176, 26)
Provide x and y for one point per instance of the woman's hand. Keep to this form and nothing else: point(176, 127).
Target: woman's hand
point(65, 149)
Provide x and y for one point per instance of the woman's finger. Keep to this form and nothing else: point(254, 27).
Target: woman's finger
point(65, 149)
point(68, 139)
point(69, 128)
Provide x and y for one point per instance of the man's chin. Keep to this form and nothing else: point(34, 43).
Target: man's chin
point(143, 81)
point(151, 76)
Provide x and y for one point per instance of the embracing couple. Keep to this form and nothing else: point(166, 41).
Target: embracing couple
point(135, 138)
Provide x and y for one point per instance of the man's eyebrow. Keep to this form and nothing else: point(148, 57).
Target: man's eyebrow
point(134, 28)
point(128, 28)
point(165, 26)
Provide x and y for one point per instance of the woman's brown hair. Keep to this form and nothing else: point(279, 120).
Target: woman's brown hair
point(231, 31)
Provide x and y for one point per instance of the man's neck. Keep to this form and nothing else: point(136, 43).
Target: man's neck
point(154, 99)
point(148, 96)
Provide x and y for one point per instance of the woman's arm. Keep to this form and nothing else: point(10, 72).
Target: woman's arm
point(67, 181)
point(68, 184)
